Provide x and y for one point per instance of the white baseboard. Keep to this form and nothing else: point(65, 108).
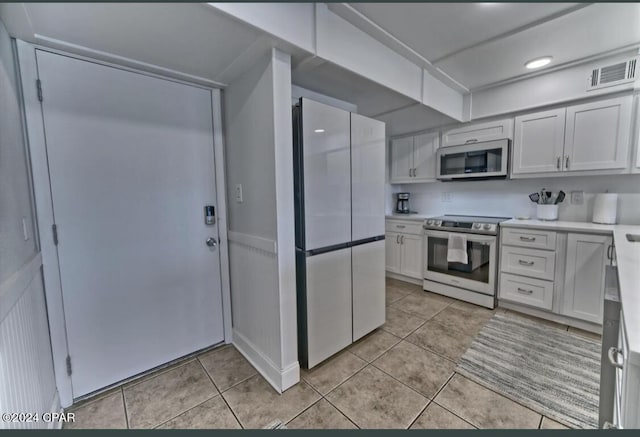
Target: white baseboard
point(404, 278)
point(279, 379)
point(580, 324)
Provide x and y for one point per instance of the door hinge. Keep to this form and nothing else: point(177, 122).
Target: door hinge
point(69, 365)
point(39, 87)
point(54, 228)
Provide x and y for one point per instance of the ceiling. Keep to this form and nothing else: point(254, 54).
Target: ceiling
point(192, 39)
point(479, 44)
point(475, 44)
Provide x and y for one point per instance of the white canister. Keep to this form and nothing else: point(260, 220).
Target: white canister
point(547, 212)
point(605, 208)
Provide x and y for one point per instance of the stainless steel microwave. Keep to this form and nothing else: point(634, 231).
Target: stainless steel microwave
point(473, 161)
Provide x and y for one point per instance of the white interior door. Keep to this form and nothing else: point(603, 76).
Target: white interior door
point(131, 165)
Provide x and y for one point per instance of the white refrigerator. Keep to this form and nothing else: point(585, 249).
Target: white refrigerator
point(339, 164)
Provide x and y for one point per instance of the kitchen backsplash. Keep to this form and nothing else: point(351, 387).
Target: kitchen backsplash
point(509, 198)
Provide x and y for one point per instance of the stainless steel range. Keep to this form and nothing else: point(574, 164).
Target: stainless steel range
point(476, 240)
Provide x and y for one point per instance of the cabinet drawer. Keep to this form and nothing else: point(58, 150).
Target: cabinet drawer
point(528, 291)
point(405, 227)
point(532, 238)
point(528, 262)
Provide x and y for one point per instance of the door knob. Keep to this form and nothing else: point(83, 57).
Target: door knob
point(211, 242)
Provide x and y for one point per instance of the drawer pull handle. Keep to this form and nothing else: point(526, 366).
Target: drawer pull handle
point(400, 226)
point(524, 291)
point(528, 238)
point(471, 140)
point(526, 263)
point(613, 352)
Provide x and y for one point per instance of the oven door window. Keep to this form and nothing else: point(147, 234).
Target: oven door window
point(477, 269)
point(480, 161)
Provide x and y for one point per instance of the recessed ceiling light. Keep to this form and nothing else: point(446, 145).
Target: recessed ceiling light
point(538, 62)
point(319, 131)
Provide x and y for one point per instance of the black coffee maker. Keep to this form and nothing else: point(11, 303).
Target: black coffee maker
point(402, 203)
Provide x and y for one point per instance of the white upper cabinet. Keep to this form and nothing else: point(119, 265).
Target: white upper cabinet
point(413, 159)
point(586, 137)
point(478, 132)
point(401, 162)
point(597, 135)
point(538, 142)
point(425, 147)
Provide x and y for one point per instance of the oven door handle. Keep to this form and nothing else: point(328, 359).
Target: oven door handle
point(474, 238)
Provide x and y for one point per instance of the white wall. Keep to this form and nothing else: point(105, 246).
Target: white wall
point(26, 366)
point(258, 149)
point(545, 89)
point(510, 197)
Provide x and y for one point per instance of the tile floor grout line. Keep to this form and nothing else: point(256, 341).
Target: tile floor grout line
point(499, 394)
point(305, 409)
point(186, 411)
point(343, 382)
point(342, 412)
point(540, 423)
point(124, 406)
point(447, 409)
point(231, 386)
point(456, 414)
point(220, 394)
point(420, 414)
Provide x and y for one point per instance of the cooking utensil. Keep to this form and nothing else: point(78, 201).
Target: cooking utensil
point(560, 198)
point(534, 197)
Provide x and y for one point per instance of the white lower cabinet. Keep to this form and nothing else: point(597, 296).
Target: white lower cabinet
point(404, 249)
point(565, 279)
point(392, 251)
point(411, 256)
point(583, 294)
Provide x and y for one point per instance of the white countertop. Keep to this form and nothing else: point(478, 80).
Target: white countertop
point(628, 261)
point(412, 216)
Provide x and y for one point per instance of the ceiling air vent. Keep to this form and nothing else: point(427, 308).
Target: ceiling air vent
point(610, 75)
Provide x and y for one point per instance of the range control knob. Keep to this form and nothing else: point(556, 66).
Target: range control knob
point(487, 226)
point(430, 222)
point(476, 226)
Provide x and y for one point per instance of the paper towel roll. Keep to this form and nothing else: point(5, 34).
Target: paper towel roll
point(605, 208)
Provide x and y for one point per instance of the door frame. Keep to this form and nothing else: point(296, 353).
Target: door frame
point(28, 72)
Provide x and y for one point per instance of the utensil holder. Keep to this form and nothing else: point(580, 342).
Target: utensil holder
point(548, 212)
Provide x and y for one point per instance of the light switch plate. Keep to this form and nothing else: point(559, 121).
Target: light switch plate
point(577, 197)
point(239, 193)
point(25, 231)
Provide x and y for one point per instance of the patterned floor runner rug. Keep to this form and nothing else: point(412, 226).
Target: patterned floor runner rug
point(552, 371)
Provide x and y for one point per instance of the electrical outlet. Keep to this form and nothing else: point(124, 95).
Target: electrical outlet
point(577, 198)
point(239, 193)
point(446, 196)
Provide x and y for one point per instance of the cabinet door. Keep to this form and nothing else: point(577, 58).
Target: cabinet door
point(367, 177)
point(584, 276)
point(392, 252)
point(478, 132)
point(401, 161)
point(538, 142)
point(411, 256)
point(597, 135)
point(329, 304)
point(367, 261)
point(424, 156)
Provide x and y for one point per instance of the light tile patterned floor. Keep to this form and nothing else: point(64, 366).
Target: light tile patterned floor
point(400, 376)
